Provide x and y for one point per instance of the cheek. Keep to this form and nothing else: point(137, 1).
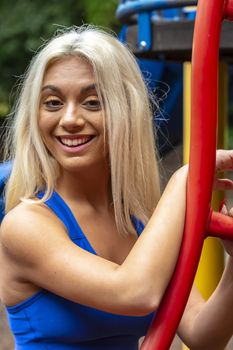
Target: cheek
point(100, 124)
point(45, 129)
point(46, 125)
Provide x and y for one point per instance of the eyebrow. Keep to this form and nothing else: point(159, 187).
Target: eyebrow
point(88, 88)
point(83, 90)
point(50, 87)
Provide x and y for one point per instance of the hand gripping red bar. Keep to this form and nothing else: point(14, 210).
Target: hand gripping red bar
point(199, 217)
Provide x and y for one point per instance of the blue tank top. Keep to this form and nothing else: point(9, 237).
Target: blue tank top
point(47, 321)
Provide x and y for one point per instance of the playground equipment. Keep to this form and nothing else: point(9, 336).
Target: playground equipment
point(159, 27)
point(5, 169)
point(143, 12)
point(201, 221)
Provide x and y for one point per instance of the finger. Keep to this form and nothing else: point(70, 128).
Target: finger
point(224, 160)
point(223, 184)
point(224, 210)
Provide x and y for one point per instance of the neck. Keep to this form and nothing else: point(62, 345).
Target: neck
point(92, 187)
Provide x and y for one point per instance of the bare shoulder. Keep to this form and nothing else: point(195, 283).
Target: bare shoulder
point(25, 228)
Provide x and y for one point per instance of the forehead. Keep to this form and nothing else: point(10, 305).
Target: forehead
point(69, 68)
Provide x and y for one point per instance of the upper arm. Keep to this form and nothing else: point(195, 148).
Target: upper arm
point(44, 255)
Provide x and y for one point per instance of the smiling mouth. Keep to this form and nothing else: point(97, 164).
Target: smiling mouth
point(75, 142)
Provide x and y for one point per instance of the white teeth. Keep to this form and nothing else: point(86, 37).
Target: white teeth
point(75, 142)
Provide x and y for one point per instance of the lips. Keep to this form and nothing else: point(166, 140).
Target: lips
point(74, 141)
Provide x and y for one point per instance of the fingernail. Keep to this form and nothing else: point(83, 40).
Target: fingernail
point(222, 204)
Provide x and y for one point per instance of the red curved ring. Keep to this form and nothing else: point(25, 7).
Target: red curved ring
point(199, 218)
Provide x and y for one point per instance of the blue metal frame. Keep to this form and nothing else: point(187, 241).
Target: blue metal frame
point(126, 10)
point(5, 170)
point(145, 35)
point(142, 11)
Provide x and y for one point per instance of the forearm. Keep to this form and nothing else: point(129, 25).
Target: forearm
point(212, 326)
point(155, 253)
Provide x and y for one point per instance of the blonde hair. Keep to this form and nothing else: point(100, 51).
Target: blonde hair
point(129, 126)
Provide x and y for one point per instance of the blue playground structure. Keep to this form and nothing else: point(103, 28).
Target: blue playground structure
point(144, 12)
point(5, 169)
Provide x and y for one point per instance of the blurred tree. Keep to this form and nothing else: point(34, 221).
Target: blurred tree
point(102, 13)
point(26, 24)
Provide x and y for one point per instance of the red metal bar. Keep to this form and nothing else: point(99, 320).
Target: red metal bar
point(228, 9)
point(201, 171)
point(220, 226)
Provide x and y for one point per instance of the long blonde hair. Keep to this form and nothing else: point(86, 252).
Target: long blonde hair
point(129, 126)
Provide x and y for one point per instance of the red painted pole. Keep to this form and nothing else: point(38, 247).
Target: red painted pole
point(228, 9)
point(220, 226)
point(201, 171)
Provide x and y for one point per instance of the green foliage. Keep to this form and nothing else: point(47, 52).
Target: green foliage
point(26, 24)
point(101, 13)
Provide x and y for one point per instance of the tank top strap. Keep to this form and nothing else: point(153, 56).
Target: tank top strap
point(139, 226)
point(62, 210)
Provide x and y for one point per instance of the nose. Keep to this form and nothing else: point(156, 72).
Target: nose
point(72, 119)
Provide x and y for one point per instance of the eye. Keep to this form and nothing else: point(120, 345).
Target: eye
point(53, 104)
point(92, 104)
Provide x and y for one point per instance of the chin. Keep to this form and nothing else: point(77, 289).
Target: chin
point(80, 165)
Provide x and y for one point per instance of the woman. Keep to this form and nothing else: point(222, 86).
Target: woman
point(79, 270)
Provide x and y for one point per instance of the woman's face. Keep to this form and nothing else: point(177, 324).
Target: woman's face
point(71, 119)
